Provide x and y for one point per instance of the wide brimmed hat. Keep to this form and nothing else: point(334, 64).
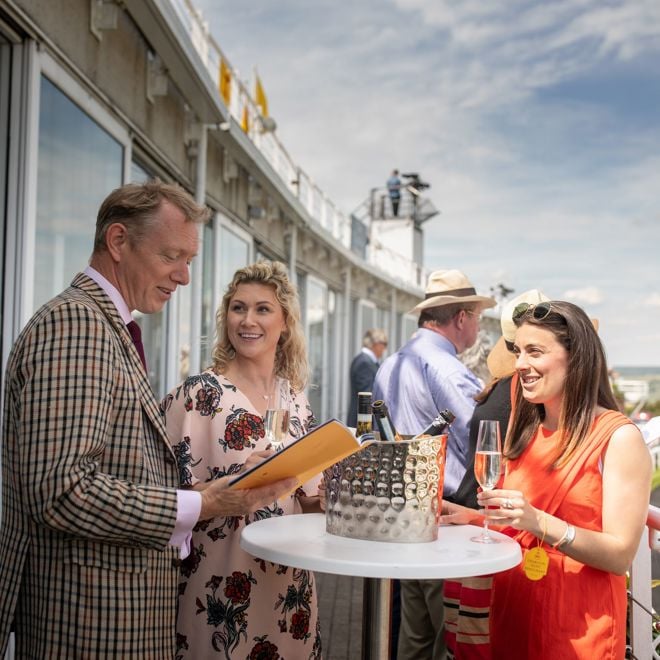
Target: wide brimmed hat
point(448, 287)
point(501, 361)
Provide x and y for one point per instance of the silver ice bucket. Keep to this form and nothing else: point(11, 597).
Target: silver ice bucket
point(388, 491)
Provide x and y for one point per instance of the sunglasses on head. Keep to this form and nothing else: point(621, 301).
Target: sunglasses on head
point(538, 312)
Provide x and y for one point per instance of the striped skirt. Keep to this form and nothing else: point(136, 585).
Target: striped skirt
point(467, 606)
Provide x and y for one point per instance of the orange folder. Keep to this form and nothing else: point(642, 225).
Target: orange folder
point(304, 458)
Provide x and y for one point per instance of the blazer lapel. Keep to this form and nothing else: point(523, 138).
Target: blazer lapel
point(138, 374)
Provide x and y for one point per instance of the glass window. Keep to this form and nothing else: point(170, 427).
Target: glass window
point(334, 377)
point(209, 302)
point(79, 164)
point(219, 263)
point(368, 318)
point(152, 324)
point(5, 89)
point(153, 338)
point(234, 254)
point(408, 328)
point(139, 174)
point(184, 329)
point(316, 317)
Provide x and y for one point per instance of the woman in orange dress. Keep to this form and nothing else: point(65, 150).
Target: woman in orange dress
point(575, 496)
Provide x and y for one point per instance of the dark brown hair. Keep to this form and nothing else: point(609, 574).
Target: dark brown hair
point(586, 387)
point(443, 314)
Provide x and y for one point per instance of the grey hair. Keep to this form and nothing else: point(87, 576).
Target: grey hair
point(374, 336)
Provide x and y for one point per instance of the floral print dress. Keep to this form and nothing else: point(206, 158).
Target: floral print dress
point(232, 605)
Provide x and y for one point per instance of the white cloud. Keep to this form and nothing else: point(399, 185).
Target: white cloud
point(589, 295)
point(537, 188)
point(653, 300)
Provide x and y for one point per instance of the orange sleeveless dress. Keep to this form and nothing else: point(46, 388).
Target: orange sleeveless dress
point(575, 611)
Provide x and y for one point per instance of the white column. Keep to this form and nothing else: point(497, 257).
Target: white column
point(345, 355)
point(391, 331)
point(196, 281)
point(293, 247)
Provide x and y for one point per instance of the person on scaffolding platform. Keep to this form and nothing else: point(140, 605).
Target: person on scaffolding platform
point(394, 191)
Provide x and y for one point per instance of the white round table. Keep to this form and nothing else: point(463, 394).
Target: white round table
point(301, 541)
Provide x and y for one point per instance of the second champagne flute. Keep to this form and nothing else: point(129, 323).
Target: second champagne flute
point(488, 465)
point(276, 419)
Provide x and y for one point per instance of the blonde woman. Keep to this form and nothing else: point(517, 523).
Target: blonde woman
point(231, 604)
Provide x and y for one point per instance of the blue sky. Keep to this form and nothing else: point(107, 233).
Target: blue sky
point(536, 123)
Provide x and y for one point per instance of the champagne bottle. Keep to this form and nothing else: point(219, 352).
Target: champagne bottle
point(384, 422)
point(364, 424)
point(438, 426)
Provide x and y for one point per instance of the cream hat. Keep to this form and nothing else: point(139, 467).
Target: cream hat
point(501, 362)
point(447, 287)
point(531, 297)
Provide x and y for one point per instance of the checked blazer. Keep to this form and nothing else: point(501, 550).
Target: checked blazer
point(89, 490)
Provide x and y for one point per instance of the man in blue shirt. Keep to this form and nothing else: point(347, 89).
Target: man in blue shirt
point(424, 377)
point(394, 191)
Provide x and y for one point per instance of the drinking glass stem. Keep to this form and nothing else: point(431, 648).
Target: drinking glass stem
point(486, 531)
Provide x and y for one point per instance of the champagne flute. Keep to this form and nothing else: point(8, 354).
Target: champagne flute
point(276, 419)
point(488, 465)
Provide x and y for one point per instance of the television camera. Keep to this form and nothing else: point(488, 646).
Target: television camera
point(415, 182)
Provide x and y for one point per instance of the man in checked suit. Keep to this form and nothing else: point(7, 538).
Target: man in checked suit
point(93, 524)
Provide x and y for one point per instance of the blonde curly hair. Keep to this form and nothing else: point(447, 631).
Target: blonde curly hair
point(291, 354)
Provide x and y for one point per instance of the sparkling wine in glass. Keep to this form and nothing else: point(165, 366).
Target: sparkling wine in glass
point(276, 419)
point(488, 465)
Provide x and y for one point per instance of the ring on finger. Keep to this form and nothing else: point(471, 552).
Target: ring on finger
point(508, 504)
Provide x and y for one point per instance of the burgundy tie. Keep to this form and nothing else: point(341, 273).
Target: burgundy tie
point(136, 335)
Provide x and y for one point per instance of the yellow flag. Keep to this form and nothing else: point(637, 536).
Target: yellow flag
point(260, 97)
point(245, 119)
point(225, 81)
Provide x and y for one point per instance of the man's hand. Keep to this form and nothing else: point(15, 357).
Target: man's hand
point(456, 514)
point(217, 501)
point(256, 457)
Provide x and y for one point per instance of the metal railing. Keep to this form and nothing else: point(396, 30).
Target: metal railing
point(642, 617)
point(412, 205)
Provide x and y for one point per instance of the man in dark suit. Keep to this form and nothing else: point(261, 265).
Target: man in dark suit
point(364, 367)
point(93, 524)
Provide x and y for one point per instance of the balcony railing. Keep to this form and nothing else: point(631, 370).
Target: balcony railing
point(643, 646)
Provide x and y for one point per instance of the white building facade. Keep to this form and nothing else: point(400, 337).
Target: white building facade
point(97, 93)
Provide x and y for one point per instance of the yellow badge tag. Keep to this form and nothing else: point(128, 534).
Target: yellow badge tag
point(535, 563)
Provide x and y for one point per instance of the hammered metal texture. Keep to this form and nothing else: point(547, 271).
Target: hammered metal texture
point(387, 491)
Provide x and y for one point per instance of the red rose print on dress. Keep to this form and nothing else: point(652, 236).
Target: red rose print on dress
point(243, 430)
point(263, 650)
point(237, 587)
point(300, 624)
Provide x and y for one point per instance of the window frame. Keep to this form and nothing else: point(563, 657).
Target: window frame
point(43, 64)
point(312, 280)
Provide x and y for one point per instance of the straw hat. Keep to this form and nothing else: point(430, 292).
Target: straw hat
point(447, 287)
point(501, 361)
